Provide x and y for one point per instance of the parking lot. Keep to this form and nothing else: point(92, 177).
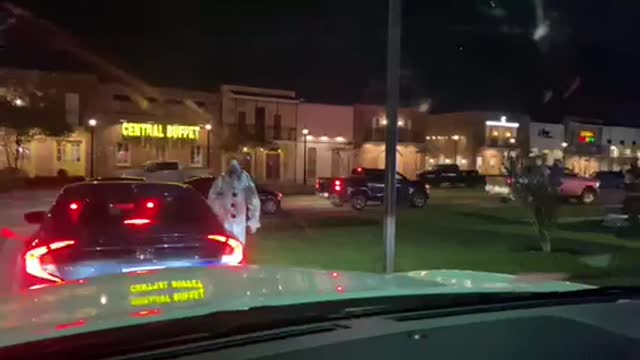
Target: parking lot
point(459, 228)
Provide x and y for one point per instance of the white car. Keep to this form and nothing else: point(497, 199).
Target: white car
point(161, 171)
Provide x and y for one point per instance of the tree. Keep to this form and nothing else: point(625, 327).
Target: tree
point(26, 112)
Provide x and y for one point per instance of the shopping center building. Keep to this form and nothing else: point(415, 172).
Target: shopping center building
point(133, 127)
point(278, 138)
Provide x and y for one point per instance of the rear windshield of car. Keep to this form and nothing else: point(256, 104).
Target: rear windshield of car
point(112, 203)
point(166, 166)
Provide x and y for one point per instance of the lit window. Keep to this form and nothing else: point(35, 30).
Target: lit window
point(60, 151)
point(196, 155)
point(123, 154)
point(75, 152)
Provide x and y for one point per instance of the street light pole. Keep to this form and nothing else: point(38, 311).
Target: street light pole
point(305, 133)
point(393, 98)
point(92, 124)
point(455, 139)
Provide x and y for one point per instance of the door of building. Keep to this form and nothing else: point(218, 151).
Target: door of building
point(70, 157)
point(272, 166)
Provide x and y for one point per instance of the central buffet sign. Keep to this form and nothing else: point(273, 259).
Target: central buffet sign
point(160, 131)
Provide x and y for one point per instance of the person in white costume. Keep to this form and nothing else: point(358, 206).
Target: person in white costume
point(234, 199)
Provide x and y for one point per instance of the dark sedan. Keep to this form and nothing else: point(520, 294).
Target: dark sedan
point(269, 200)
point(103, 228)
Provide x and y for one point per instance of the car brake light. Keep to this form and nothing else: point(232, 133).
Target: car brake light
point(337, 185)
point(150, 204)
point(136, 221)
point(233, 253)
point(38, 261)
point(74, 206)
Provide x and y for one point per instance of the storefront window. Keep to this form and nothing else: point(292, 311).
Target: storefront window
point(75, 152)
point(60, 153)
point(312, 157)
point(123, 154)
point(196, 155)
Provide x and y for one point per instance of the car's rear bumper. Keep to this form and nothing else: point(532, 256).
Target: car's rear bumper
point(88, 270)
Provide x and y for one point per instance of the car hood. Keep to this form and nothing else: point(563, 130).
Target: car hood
point(147, 296)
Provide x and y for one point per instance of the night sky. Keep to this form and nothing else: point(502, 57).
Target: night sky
point(462, 54)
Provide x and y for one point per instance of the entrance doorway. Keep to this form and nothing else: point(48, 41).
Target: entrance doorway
point(272, 166)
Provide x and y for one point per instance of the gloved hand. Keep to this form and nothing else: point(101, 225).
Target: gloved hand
point(253, 226)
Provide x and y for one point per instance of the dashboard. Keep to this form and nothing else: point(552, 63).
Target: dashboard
point(585, 331)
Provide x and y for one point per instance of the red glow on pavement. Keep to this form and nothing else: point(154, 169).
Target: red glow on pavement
point(73, 325)
point(146, 313)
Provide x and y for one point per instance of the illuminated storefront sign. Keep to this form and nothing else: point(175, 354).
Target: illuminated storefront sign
point(587, 137)
point(166, 292)
point(502, 123)
point(160, 131)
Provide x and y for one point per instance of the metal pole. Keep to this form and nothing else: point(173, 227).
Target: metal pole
point(393, 94)
point(92, 149)
point(304, 155)
point(455, 151)
point(208, 149)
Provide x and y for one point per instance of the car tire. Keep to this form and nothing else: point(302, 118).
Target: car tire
point(358, 202)
point(588, 196)
point(270, 206)
point(418, 199)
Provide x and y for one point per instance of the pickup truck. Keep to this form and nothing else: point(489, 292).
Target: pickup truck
point(452, 175)
point(367, 186)
point(573, 186)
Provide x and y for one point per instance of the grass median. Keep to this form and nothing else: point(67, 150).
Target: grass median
point(459, 229)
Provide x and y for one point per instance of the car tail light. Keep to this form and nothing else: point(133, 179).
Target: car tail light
point(233, 252)
point(279, 195)
point(74, 206)
point(337, 185)
point(39, 263)
point(317, 184)
point(150, 204)
point(509, 181)
point(136, 221)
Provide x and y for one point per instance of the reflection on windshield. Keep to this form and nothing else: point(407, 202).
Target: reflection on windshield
point(166, 292)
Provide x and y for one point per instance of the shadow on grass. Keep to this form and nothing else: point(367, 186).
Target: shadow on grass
point(597, 226)
point(328, 220)
point(494, 219)
point(575, 251)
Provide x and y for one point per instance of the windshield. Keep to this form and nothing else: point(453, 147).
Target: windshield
point(208, 156)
